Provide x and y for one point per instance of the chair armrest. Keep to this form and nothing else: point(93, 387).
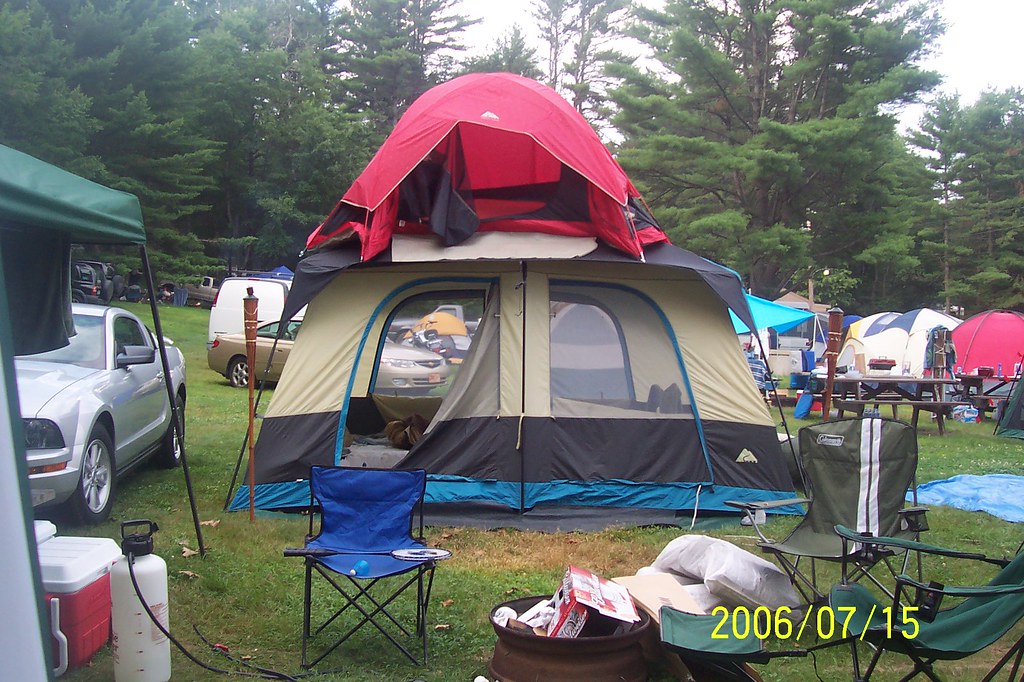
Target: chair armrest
point(913, 519)
point(770, 504)
point(914, 546)
point(966, 591)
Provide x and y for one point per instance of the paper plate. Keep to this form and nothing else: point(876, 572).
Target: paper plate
point(421, 554)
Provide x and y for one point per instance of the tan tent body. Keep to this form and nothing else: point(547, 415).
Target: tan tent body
point(591, 382)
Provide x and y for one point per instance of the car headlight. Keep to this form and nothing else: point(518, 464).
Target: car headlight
point(42, 434)
point(394, 362)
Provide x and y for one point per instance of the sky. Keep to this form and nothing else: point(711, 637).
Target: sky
point(983, 46)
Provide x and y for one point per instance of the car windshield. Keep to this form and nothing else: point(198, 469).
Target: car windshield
point(85, 349)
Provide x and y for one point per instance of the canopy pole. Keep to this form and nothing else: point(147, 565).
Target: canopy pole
point(176, 419)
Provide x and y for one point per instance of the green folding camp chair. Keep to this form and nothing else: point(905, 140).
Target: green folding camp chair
point(857, 473)
point(923, 632)
point(713, 650)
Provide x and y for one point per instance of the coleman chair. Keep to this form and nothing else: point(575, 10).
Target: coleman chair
point(366, 551)
point(857, 473)
point(924, 632)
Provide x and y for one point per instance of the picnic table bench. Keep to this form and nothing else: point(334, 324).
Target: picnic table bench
point(922, 394)
point(940, 408)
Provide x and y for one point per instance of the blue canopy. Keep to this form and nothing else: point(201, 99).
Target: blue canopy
point(769, 314)
point(280, 272)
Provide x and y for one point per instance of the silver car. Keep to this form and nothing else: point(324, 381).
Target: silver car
point(96, 408)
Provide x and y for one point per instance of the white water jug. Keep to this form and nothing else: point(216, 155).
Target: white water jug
point(141, 652)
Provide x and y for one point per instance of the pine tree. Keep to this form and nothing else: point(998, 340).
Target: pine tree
point(770, 141)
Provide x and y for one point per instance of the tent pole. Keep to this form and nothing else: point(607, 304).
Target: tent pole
point(522, 391)
point(778, 405)
point(175, 421)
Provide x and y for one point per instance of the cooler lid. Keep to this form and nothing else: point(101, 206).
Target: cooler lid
point(70, 563)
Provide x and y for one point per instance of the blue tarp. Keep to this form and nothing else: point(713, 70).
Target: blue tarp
point(1001, 495)
point(768, 314)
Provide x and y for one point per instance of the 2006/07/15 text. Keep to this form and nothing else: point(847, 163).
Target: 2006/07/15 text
point(740, 622)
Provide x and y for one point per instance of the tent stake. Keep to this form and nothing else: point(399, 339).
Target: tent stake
point(175, 422)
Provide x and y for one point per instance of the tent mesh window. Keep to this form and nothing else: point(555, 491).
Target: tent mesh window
point(610, 351)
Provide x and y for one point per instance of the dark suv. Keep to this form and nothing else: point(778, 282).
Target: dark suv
point(106, 280)
point(86, 286)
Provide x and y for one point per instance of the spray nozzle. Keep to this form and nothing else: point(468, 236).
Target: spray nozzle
point(139, 543)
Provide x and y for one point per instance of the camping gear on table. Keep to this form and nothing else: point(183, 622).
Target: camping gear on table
point(76, 581)
point(858, 472)
point(599, 339)
point(365, 537)
point(142, 652)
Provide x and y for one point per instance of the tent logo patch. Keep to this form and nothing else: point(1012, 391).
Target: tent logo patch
point(746, 457)
point(830, 439)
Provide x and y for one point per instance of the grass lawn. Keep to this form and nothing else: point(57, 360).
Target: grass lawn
point(245, 595)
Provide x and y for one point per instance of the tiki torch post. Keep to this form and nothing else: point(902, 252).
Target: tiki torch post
point(250, 307)
point(835, 332)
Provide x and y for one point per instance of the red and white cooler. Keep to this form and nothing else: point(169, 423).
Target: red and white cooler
point(76, 579)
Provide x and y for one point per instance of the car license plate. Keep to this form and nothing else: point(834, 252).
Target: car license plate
point(434, 378)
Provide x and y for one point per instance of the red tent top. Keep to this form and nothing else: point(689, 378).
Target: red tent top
point(989, 339)
point(491, 152)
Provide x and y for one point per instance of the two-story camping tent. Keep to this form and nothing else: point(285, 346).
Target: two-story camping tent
point(605, 371)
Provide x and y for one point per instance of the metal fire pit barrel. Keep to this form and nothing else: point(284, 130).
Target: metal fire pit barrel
point(524, 657)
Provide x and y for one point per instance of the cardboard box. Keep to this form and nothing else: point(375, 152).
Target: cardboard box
point(582, 590)
point(651, 592)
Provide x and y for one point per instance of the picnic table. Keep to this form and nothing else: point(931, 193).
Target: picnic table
point(984, 392)
point(921, 394)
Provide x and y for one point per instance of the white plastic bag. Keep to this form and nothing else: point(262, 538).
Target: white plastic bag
point(733, 576)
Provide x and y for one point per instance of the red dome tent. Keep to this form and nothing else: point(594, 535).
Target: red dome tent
point(436, 172)
point(990, 339)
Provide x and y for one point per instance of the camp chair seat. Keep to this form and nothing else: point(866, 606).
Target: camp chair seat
point(366, 514)
point(721, 659)
point(857, 473)
point(984, 616)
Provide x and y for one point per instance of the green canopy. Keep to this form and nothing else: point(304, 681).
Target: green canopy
point(43, 209)
point(36, 194)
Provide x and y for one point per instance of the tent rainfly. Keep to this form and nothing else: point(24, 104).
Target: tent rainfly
point(604, 373)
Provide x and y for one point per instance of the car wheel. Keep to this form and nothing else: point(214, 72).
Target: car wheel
point(94, 496)
point(77, 296)
point(170, 451)
point(238, 372)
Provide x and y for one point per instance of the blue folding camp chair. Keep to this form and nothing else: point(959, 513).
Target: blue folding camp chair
point(366, 522)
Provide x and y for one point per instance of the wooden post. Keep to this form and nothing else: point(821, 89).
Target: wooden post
point(835, 332)
point(250, 306)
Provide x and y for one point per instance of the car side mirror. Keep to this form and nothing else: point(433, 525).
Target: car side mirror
point(135, 355)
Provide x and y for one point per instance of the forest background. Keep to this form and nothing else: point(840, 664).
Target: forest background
point(762, 133)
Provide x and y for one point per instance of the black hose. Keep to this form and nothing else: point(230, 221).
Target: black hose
point(263, 673)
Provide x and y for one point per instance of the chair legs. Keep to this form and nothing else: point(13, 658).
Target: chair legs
point(371, 610)
point(923, 666)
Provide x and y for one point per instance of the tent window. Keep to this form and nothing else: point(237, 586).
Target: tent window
point(612, 354)
point(588, 353)
point(428, 338)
